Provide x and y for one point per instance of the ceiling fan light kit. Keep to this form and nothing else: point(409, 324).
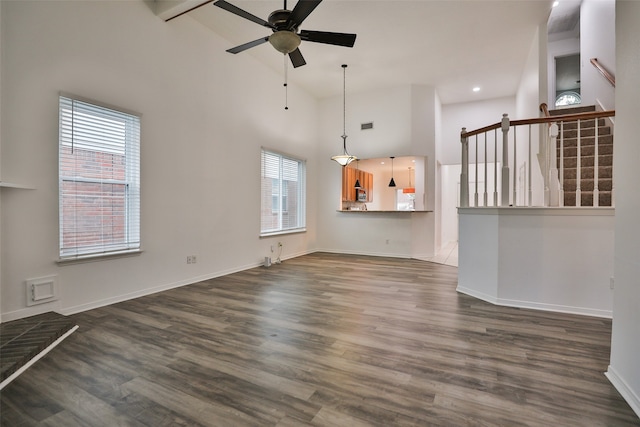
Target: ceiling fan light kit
point(284, 41)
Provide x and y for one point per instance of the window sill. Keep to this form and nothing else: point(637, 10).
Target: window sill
point(98, 257)
point(279, 233)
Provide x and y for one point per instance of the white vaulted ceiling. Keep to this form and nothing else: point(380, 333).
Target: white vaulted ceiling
point(452, 45)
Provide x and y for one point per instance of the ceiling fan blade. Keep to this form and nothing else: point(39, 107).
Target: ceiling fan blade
point(339, 39)
point(244, 14)
point(297, 59)
point(246, 46)
point(300, 12)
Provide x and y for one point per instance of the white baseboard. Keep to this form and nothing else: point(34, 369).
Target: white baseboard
point(57, 305)
point(623, 388)
point(364, 253)
point(165, 287)
point(583, 311)
point(477, 294)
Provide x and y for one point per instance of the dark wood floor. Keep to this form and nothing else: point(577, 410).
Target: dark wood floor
point(322, 339)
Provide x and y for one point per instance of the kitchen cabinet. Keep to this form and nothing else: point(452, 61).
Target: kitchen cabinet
point(349, 177)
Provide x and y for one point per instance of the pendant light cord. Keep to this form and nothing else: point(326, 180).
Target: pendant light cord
point(344, 109)
point(286, 87)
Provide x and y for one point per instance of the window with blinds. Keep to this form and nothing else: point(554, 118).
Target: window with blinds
point(99, 180)
point(282, 194)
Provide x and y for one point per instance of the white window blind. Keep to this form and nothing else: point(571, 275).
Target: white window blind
point(99, 180)
point(282, 193)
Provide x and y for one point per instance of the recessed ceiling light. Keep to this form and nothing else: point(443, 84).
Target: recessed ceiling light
point(555, 3)
point(476, 89)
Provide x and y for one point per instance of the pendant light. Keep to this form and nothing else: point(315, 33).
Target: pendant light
point(392, 183)
point(345, 158)
point(357, 185)
point(409, 189)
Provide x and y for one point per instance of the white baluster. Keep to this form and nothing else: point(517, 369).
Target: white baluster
point(464, 172)
point(485, 170)
point(596, 189)
point(515, 167)
point(578, 174)
point(529, 193)
point(475, 194)
point(505, 160)
point(561, 163)
point(495, 167)
point(552, 170)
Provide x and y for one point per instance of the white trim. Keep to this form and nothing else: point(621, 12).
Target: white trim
point(36, 358)
point(5, 184)
point(378, 254)
point(623, 388)
point(583, 311)
point(540, 211)
point(98, 256)
point(167, 286)
point(477, 294)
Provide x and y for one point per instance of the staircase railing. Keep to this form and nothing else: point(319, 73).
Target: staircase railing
point(548, 136)
point(605, 73)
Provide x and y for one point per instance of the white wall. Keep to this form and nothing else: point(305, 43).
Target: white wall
point(597, 40)
point(531, 93)
point(1, 39)
point(205, 115)
point(624, 369)
point(558, 49)
point(542, 258)
point(472, 115)
point(404, 125)
point(451, 193)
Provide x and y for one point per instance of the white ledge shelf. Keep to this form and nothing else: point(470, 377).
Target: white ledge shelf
point(4, 184)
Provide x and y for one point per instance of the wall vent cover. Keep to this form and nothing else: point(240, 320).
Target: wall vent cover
point(41, 290)
point(365, 126)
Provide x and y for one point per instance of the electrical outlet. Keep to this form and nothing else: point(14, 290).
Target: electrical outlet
point(189, 259)
point(279, 244)
point(194, 259)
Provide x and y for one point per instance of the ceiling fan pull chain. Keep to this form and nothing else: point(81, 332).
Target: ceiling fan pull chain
point(286, 87)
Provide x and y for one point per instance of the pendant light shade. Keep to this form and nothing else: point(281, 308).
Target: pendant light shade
point(392, 183)
point(345, 158)
point(409, 189)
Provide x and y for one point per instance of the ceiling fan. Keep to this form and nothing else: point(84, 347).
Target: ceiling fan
point(286, 36)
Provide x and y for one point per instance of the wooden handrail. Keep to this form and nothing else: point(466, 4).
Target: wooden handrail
point(550, 119)
point(606, 74)
point(544, 109)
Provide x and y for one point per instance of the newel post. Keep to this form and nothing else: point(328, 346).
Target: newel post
point(552, 188)
point(464, 172)
point(505, 160)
